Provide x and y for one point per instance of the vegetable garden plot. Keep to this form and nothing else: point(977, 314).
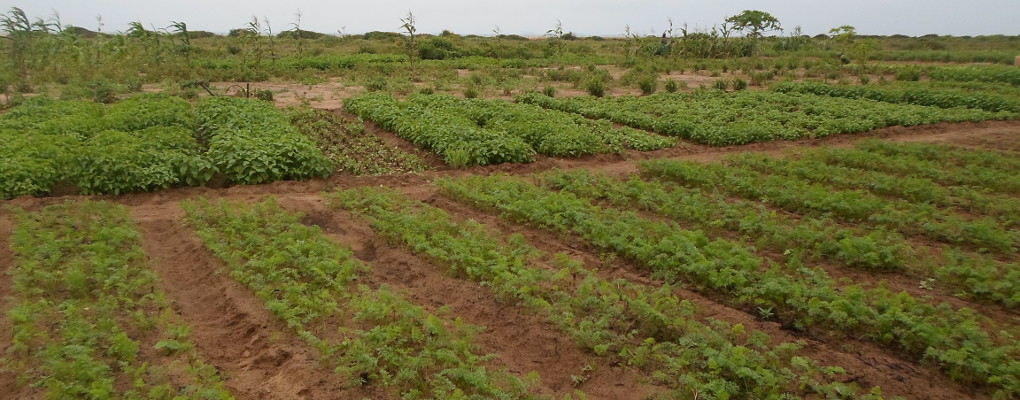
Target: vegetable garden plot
point(646, 327)
point(346, 142)
point(805, 238)
point(1005, 209)
point(922, 96)
point(88, 322)
point(455, 138)
point(717, 118)
point(803, 197)
point(805, 297)
point(480, 132)
point(373, 336)
point(148, 142)
point(549, 132)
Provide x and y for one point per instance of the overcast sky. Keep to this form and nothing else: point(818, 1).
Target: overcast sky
point(535, 17)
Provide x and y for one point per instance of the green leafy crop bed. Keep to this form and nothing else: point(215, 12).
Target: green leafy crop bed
point(481, 132)
point(148, 142)
point(718, 118)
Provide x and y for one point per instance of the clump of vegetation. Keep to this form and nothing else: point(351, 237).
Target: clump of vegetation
point(350, 146)
point(595, 87)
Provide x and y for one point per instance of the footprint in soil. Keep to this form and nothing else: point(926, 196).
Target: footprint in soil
point(273, 358)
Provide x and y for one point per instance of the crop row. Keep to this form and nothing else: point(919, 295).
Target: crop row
point(549, 132)
point(847, 205)
point(139, 144)
point(455, 138)
point(346, 142)
point(378, 337)
point(942, 98)
point(806, 237)
point(980, 177)
point(805, 297)
point(949, 155)
point(1006, 209)
point(252, 142)
point(717, 118)
point(996, 74)
point(645, 327)
point(148, 142)
point(88, 321)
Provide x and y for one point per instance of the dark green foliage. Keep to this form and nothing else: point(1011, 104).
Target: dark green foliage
point(250, 142)
point(942, 98)
point(718, 118)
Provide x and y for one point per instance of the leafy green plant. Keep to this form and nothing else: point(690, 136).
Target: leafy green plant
point(350, 146)
point(250, 141)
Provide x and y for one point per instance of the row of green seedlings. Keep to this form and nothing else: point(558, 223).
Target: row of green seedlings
point(993, 74)
point(942, 98)
point(549, 132)
point(1003, 208)
point(349, 145)
point(455, 138)
point(801, 239)
point(251, 142)
point(851, 206)
point(716, 118)
point(88, 319)
point(801, 297)
point(373, 336)
point(646, 327)
point(947, 155)
point(143, 143)
point(980, 177)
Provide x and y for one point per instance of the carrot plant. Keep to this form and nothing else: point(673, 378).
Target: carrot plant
point(85, 305)
point(379, 337)
point(804, 297)
point(1005, 209)
point(851, 206)
point(643, 326)
point(906, 165)
point(805, 238)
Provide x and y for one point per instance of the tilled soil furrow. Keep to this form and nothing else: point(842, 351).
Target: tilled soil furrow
point(257, 355)
point(866, 363)
point(524, 341)
point(9, 387)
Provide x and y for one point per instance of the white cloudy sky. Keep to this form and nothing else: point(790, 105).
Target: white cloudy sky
point(534, 17)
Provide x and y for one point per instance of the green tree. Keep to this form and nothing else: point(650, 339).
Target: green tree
point(754, 23)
